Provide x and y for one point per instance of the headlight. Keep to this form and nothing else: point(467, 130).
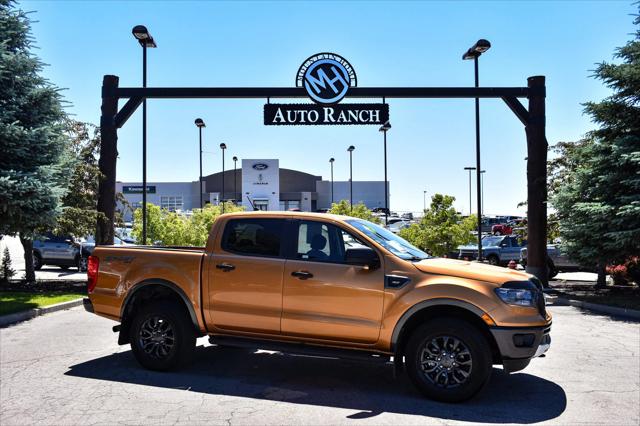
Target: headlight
point(515, 296)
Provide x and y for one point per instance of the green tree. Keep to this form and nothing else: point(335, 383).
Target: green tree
point(598, 199)
point(441, 229)
point(359, 210)
point(155, 224)
point(79, 204)
point(6, 270)
point(32, 138)
point(173, 229)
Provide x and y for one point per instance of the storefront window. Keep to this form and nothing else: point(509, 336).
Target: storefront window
point(171, 203)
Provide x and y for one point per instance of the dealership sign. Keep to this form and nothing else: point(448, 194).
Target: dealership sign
point(137, 189)
point(326, 77)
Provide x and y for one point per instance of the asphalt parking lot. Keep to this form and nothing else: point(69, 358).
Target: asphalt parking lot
point(66, 368)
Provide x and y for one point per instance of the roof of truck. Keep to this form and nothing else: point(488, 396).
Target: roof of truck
point(286, 214)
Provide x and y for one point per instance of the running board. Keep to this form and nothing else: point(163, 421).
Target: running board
point(300, 349)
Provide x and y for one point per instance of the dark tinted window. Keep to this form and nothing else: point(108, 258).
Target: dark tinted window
point(258, 237)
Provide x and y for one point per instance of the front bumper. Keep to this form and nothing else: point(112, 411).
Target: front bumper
point(519, 345)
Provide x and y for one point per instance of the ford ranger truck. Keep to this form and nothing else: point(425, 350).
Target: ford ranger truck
point(326, 285)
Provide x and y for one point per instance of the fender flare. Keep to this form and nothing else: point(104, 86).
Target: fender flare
point(164, 283)
point(397, 330)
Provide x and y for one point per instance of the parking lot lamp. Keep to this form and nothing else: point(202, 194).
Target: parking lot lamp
point(331, 160)
point(223, 146)
point(141, 34)
point(235, 179)
point(384, 129)
point(469, 168)
point(350, 149)
point(474, 53)
point(200, 124)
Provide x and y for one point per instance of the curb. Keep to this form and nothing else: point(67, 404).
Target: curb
point(36, 312)
point(604, 309)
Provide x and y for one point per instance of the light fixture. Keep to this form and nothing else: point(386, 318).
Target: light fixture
point(477, 49)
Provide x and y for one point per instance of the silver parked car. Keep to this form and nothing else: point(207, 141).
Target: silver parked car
point(557, 260)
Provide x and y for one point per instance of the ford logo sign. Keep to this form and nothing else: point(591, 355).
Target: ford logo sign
point(260, 166)
point(326, 77)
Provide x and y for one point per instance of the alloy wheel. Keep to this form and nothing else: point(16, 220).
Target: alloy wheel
point(446, 361)
point(157, 337)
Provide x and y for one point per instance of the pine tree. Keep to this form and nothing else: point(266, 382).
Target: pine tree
point(79, 203)
point(31, 136)
point(6, 271)
point(598, 202)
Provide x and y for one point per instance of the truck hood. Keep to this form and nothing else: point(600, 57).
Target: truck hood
point(472, 270)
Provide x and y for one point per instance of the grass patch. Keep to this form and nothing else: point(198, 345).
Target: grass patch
point(15, 301)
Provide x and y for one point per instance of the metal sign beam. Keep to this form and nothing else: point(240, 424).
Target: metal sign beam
point(299, 92)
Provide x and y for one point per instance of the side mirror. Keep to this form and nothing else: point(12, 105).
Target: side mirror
point(363, 256)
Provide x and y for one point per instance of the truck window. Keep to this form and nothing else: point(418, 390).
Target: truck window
point(323, 242)
point(253, 237)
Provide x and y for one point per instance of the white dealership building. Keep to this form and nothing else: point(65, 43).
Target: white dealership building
point(258, 184)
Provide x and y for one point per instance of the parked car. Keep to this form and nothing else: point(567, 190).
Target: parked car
point(501, 229)
point(487, 223)
point(325, 285)
point(407, 216)
point(395, 227)
point(498, 250)
point(59, 250)
point(557, 260)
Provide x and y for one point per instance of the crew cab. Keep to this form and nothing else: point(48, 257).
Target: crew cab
point(322, 284)
point(498, 250)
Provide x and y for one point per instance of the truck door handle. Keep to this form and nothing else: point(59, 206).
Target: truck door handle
point(303, 275)
point(226, 267)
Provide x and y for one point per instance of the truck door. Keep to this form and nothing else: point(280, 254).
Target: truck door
point(322, 296)
point(245, 277)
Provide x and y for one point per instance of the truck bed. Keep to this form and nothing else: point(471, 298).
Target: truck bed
point(123, 267)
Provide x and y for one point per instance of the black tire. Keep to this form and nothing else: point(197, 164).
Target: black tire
point(551, 270)
point(37, 262)
point(493, 260)
point(470, 339)
point(173, 322)
point(81, 263)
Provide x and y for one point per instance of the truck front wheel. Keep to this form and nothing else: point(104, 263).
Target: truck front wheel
point(448, 359)
point(162, 336)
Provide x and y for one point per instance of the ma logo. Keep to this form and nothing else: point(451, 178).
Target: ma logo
point(326, 77)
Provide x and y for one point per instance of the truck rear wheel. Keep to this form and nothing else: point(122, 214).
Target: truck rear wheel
point(448, 359)
point(162, 336)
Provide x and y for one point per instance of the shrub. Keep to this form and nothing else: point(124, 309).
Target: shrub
point(6, 271)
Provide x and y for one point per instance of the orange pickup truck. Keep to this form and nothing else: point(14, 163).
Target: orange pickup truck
point(326, 285)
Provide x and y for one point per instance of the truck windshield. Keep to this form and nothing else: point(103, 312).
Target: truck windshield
point(390, 241)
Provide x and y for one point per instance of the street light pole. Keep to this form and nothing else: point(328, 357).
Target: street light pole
point(331, 160)
point(474, 53)
point(469, 169)
point(482, 172)
point(200, 124)
point(424, 199)
point(223, 147)
point(235, 179)
point(141, 34)
point(350, 149)
point(384, 129)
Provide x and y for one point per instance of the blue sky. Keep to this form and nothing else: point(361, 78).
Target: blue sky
point(388, 43)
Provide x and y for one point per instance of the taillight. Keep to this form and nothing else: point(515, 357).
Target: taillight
point(92, 273)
